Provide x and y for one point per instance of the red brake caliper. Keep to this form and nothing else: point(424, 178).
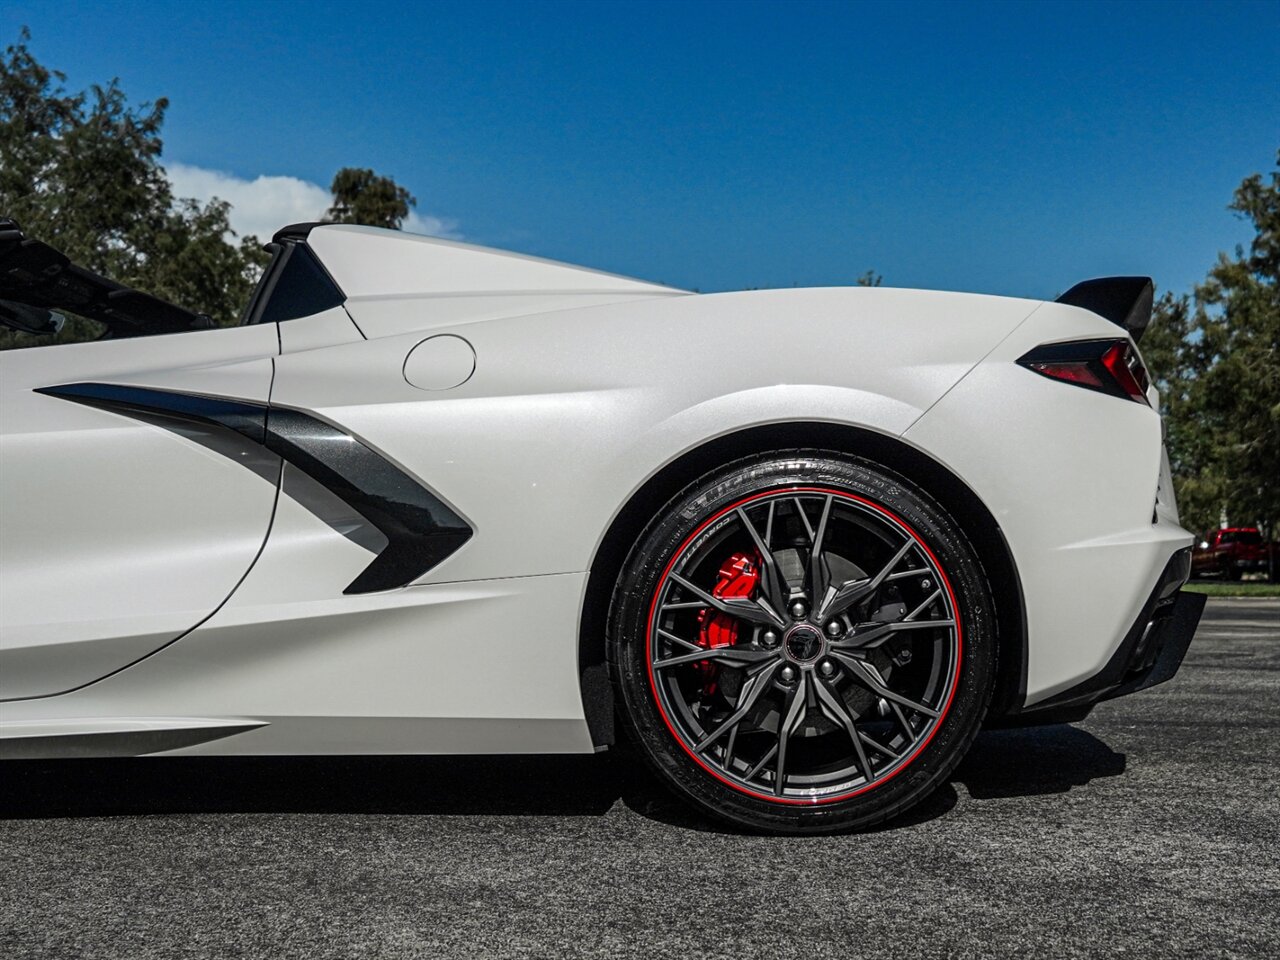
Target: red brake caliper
point(738, 577)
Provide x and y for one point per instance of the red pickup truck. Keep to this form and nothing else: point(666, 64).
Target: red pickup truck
point(1230, 553)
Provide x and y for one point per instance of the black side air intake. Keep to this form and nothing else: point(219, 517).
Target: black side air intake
point(420, 530)
point(1125, 301)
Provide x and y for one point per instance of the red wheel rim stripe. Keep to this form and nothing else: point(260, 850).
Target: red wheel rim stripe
point(799, 801)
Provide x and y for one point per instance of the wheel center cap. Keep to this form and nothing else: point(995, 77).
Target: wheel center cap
point(803, 643)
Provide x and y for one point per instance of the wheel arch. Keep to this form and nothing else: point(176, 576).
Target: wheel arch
point(940, 483)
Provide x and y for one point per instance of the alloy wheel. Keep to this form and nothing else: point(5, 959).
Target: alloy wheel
point(804, 645)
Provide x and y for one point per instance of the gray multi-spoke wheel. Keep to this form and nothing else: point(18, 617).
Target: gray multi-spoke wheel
point(802, 642)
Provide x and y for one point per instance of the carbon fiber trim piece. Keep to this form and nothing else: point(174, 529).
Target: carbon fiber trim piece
point(421, 531)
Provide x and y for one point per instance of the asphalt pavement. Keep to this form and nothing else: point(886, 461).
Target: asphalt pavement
point(1151, 829)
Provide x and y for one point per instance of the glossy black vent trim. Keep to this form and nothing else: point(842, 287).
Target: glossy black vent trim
point(243, 417)
point(421, 530)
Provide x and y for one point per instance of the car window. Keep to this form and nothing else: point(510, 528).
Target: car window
point(71, 328)
point(47, 299)
point(294, 285)
point(1247, 537)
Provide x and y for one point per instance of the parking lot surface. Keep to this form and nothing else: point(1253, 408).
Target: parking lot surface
point(1150, 829)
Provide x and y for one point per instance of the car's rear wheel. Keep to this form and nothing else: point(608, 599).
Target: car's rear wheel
point(802, 642)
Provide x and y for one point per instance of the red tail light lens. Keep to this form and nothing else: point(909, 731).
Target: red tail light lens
point(1108, 366)
point(1126, 368)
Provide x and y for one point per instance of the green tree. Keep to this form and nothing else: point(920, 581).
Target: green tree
point(1174, 353)
point(361, 196)
point(1216, 357)
point(82, 172)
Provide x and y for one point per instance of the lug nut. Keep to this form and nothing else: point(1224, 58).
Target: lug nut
point(798, 610)
point(835, 628)
point(926, 584)
point(882, 707)
point(788, 674)
point(769, 638)
point(827, 668)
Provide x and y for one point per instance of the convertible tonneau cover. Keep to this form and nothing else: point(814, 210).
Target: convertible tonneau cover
point(36, 279)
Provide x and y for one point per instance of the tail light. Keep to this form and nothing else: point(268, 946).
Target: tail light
point(1107, 366)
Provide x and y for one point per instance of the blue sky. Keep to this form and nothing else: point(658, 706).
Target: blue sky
point(1007, 148)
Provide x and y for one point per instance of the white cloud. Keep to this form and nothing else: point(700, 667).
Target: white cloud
point(431, 226)
point(265, 204)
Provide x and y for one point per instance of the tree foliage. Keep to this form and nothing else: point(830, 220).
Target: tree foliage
point(82, 172)
point(1215, 354)
point(361, 196)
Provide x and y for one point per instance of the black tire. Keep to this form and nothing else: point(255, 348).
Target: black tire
point(756, 483)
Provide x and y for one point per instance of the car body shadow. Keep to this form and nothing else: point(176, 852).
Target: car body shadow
point(1001, 764)
point(1024, 762)
point(472, 785)
point(1035, 761)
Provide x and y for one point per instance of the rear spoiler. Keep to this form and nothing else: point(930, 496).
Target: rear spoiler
point(1125, 301)
point(36, 280)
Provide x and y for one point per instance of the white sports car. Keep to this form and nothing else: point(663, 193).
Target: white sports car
point(433, 498)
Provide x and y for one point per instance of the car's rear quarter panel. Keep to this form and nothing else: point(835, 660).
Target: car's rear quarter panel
point(568, 414)
point(1071, 476)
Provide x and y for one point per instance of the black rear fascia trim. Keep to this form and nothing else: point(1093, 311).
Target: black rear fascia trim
point(1177, 629)
point(421, 530)
point(1143, 657)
